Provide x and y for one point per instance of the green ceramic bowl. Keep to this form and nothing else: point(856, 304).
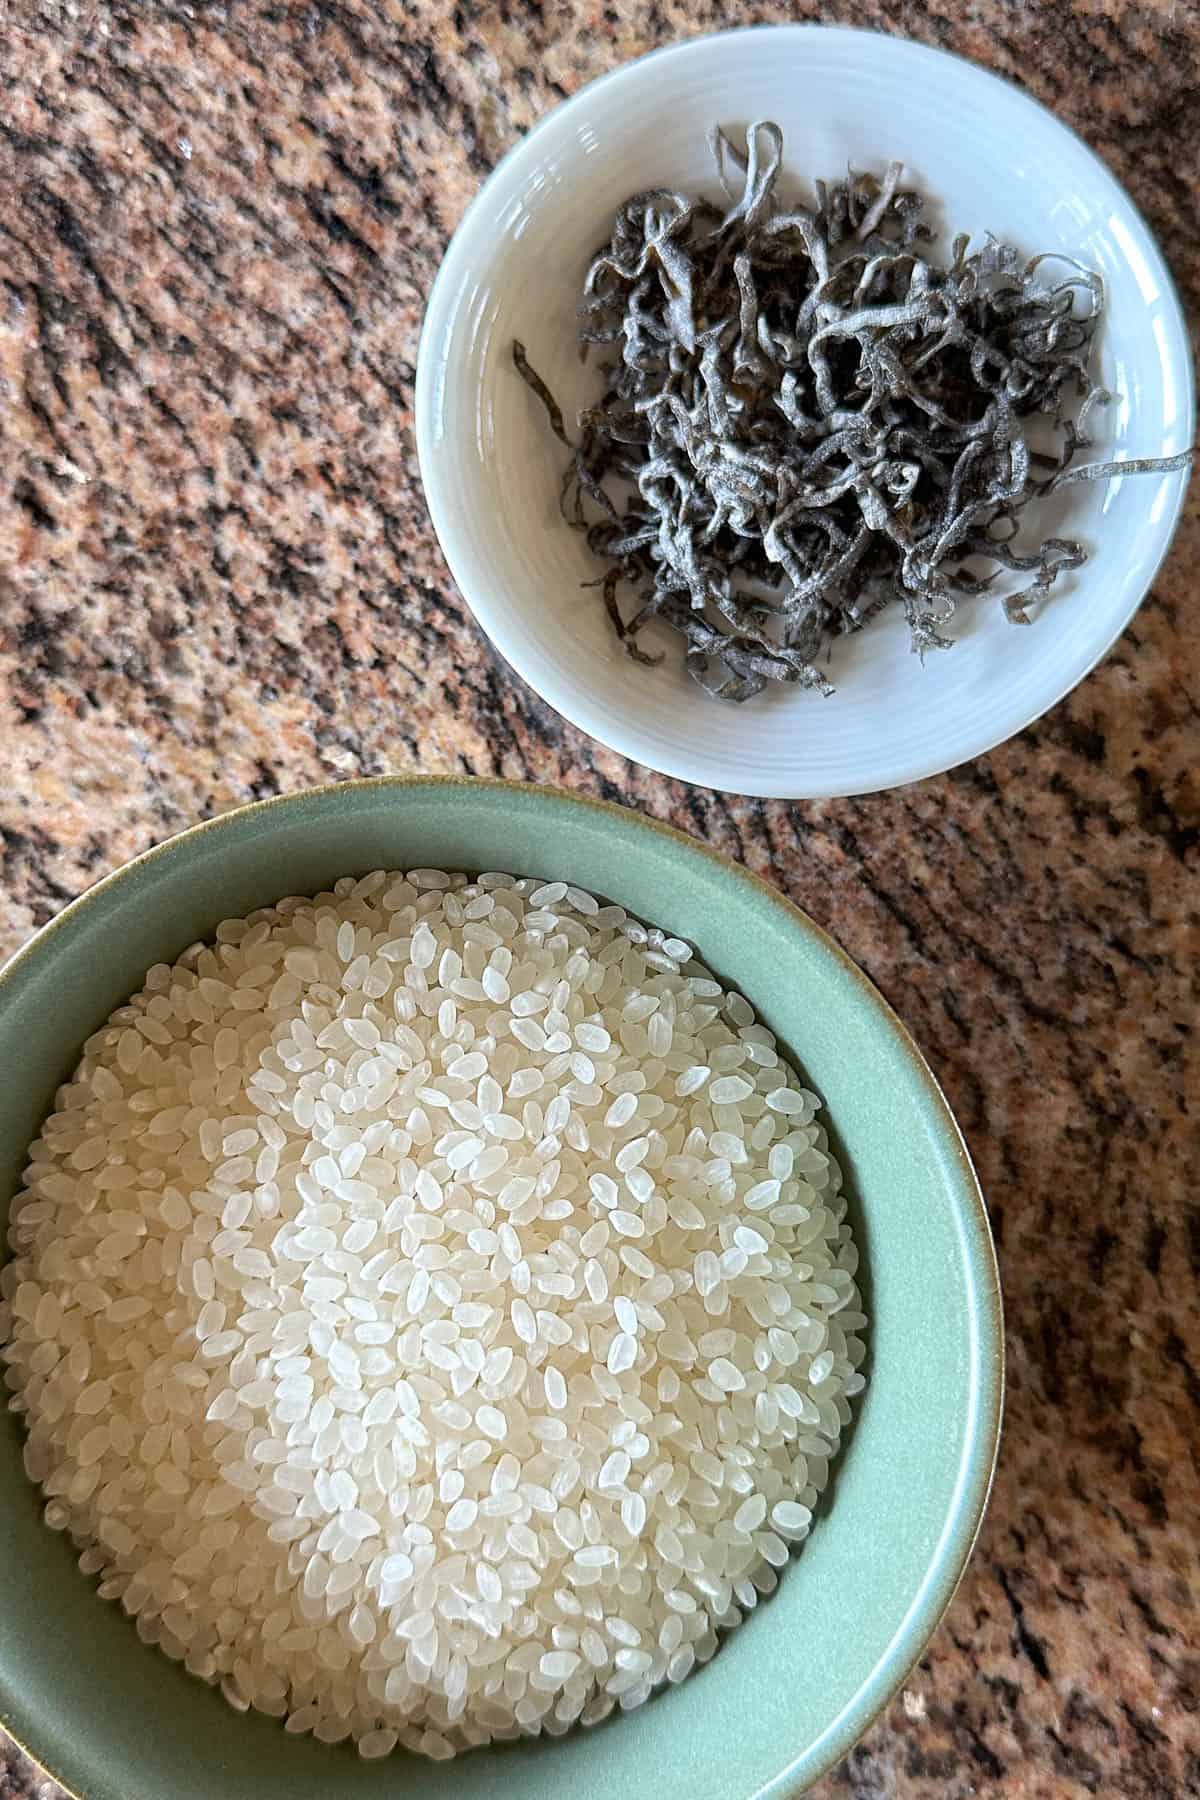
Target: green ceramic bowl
point(789, 1692)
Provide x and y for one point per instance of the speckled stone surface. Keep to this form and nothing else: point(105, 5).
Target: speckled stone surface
point(217, 224)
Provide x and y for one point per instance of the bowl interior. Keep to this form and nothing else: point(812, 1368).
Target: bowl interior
point(790, 1691)
point(994, 161)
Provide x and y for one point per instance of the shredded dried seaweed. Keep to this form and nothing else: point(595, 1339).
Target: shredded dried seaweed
point(805, 419)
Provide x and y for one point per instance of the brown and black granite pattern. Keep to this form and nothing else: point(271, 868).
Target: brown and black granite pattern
point(217, 581)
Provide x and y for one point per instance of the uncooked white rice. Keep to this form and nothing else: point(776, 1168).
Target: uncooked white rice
point(432, 1310)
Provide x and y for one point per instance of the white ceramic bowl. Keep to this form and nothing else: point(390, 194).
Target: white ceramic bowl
point(996, 161)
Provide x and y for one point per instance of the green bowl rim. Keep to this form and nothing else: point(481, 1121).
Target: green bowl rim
point(970, 1501)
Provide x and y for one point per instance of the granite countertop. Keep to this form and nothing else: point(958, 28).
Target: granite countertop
point(217, 581)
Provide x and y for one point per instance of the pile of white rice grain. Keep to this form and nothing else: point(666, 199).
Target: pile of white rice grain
point(432, 1310)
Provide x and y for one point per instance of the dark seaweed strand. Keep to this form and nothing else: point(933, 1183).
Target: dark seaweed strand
point(553, 410)
point(799, 398)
